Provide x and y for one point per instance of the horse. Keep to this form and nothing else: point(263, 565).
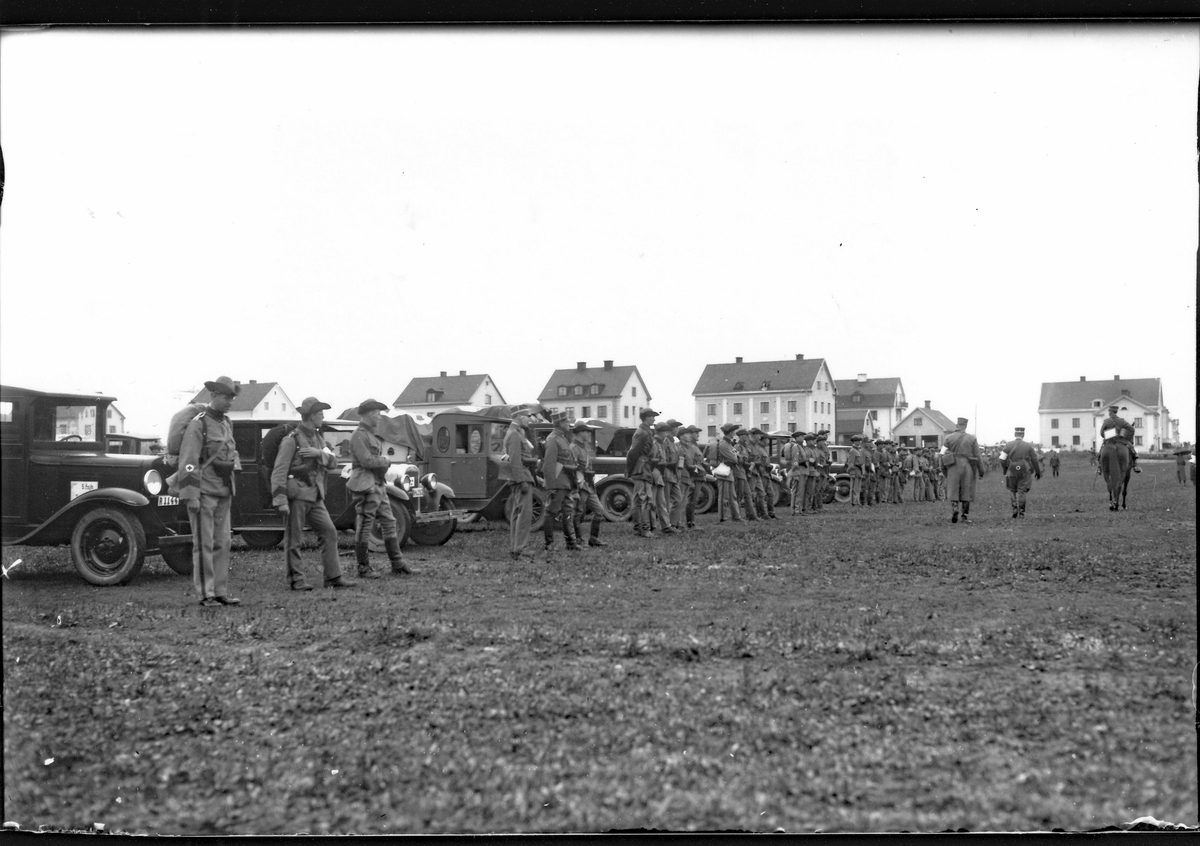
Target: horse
point(1115, 465)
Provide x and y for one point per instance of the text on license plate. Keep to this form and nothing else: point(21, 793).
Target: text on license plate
point(168, 500)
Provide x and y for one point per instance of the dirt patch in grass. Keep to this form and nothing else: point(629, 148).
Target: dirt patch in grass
point(880, 670)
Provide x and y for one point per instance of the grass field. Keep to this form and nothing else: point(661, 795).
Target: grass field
point(873, 670)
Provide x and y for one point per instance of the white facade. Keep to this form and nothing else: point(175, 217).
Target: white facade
point(486, 394)
point(1078, 430)
point(803, 409)
point(621, 410)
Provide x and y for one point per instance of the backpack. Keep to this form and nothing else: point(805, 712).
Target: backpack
point(271, 442)
point(176, 428)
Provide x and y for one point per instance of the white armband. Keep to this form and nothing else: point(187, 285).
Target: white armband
point(1003, 455)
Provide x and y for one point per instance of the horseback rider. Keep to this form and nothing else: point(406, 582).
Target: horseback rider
point(1122, 434)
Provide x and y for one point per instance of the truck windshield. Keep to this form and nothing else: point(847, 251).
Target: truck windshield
point(68, 423)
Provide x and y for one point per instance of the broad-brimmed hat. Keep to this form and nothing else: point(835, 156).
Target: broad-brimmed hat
point(647, 412)
point(223, 385)
point(808, 436)
point(728, 427)
point(695, 429)
point(673, 423)
point(580, 426)
point(756, 431)
point(797, 434)
point(369, 405)
point(741, 431)
point(312, 404)
point(663, 427)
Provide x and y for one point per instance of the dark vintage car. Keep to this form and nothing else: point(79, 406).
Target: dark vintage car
point(59, 487)
point(126, 443)
point(424, 508)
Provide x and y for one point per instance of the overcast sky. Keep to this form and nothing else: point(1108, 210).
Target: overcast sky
point(973, 209)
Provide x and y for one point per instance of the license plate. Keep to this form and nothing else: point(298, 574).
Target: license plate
point(168, 500)
point(416, 492)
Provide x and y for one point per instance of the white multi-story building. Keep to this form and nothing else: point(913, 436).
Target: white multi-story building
point(613, 394)
point(776, 396)
point(1070, 413)
point(430, 394)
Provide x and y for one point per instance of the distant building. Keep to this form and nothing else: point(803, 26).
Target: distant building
point(923, 427)
point(854, 421)
point(613, 394)
point(115, 424)
point(1070, 413)
point(257, 401)
point(430, 394)
point(789, 395)
point(881, 398)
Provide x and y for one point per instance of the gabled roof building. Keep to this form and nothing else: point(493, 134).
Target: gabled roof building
point(787, 395)
point(1070, 413)
point(257, 401)
point(882, 398)
point(923, 427)
point(614, 394)
point(430, 394)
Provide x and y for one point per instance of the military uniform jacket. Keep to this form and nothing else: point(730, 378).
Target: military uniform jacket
point(583, 463)
point(854, 461)
point(299, 478)
point(743, 460)
point(637, 460)
point(964, 445)
point(558, 461)
point(692, 461)
point(207, 446)
point(727, 453)
point(367, 462)
point(1124, 430)
point(1020, 458)
point(793, 458)
point(520, 456)
point(668, 459)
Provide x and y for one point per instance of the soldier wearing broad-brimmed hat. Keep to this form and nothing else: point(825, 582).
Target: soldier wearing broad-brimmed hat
point(639, 466)
point(586, 500)
point(727, 455)
point(367, 486)
point(298, 492)
point(208, 461)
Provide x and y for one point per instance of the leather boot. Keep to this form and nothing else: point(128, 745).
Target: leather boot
point(396, 556)
point(1016, 509)
point(548, 530)
point(569, 533)
point(954, 513)
point(594, 537)
point(362, 555)
point(966, 509)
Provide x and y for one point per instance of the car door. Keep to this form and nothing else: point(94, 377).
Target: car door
point(465, 454)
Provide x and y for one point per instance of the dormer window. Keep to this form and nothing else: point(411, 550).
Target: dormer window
point(766, 386)
point(737, 386)
point(1097, 403)
point(578, 390)
point(857, 398)
point(562, 390)
point(595, 390)
point(431, 396)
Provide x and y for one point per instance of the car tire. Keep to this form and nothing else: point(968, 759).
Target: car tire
point(404, 525)
point(841, 491)
point(435, 534)
point(108, 546)
point(176, 551)
point(706, 499)
point(776, 493)
point(262, 538)
point(616, 501)
point(538, 517)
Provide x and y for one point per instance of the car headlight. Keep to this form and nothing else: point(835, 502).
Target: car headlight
point(153, 482)
point(429, 480)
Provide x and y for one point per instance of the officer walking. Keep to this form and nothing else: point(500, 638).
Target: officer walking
point(558, 469)
point(640, 469)
point(368, 466)
point(298, 492)
point(207, 460)
point(1020, 464)
point(517, 467)
point(1054, 461)
point(961, 475)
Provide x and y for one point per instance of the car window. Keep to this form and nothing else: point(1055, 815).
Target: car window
point(66, 423)
point(497, 437)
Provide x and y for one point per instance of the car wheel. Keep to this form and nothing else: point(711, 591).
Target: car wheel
point(706, 499)
point(262, 538)
point(842, 490)
point(616, 500)
point(435, 534)
point(404, 526)
point(538, 511)
point(176, 550)
point(108, 546)
point(776, 493)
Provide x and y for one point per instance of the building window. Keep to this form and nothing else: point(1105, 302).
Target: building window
point(626, 412)
point(266, 406)
point(1137, 440)
point(562, 390)
point(594, 390)
point(856, 398)
point(874, 414)
point(1074, 422)
point(1054, 440)
point(112, 429)
point(487, 399)
point(578, 390)
point(1096, 403)
point(791, 427)
point(1074, 440)
point(587, 411)
point(764, 408)
point(712, 431)
point(1053, 422)
point(792, 406)
point(1137, 422)
point(737, 408)
point(711, 409)
point(571, 412)
point(814, 406)
point(109, 415)
point(918, 421)
point(633, 391)
point(602, 412)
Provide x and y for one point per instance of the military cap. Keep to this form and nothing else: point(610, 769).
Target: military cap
point(312, 405)
point(580, 426)
point(962, 421)
point(742, 432)
point(370, 405)
point(728, 427)
point(1019, 431)
point(756, 431)
point(559, 417)
point(695, 429)
point(647, 412)
point(808, 436)
point(854, 438)
point(798, 434)
point(223, 385)
point(673, 423)
point(1112, 409)
point(663, 427)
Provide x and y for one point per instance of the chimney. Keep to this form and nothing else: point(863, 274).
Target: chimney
point(462, 373)
point(443, 374)
point(581, 366)
point(737, 360)
point(1117, 378)
point(255, 381)
point(862, 377)
point(1082, 378)
point(608, 364)
point(927, 403)
point(799, 356)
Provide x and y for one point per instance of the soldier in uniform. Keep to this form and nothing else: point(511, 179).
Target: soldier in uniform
point(673, 480)
point(854, 467)
point(1181, 465)
point(558, 470)
point(812, 474)
point(761, 478)
point(961, 475)
point(821, 449)
point(663, 459)
point(368, 466)
point(641, 471)
point(791, 457)
point(696, 464)
point(727, 500)
point(741, 475)
point(208, 460)
point(517, 467)
point(1054, 461)
point(1020, 464)
point(1122, 433)
point(298, 492)
point(587, 502)
point(685, 472)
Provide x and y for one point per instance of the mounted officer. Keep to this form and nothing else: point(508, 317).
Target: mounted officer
point(1122, 433)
